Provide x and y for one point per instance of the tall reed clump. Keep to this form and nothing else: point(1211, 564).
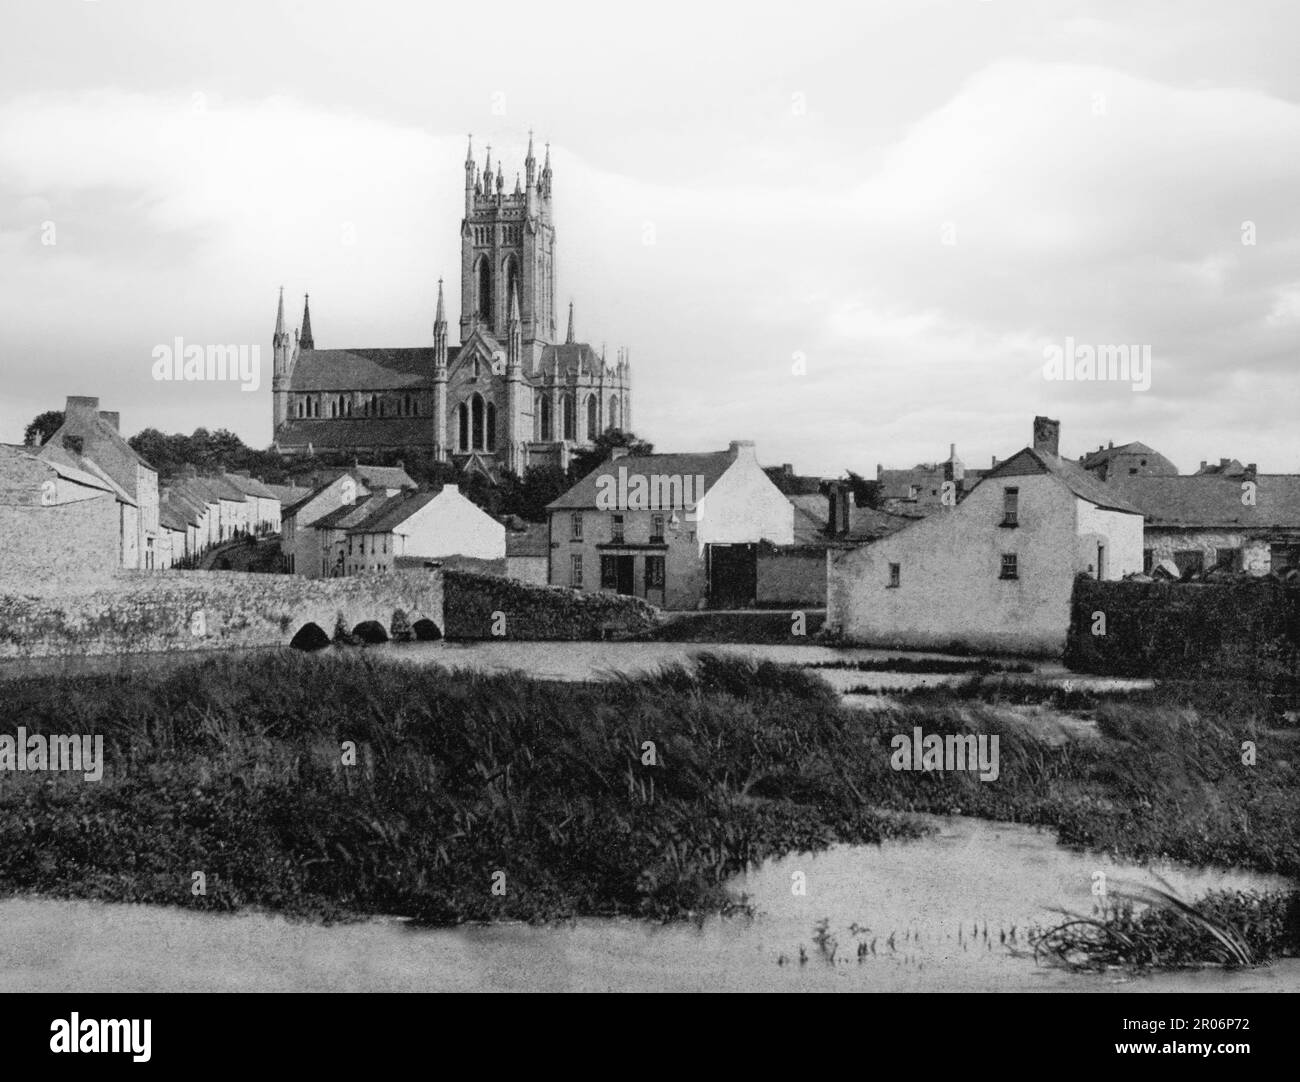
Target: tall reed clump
point(338, 786)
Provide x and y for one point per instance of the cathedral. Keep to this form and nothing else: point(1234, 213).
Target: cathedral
point(510, 396)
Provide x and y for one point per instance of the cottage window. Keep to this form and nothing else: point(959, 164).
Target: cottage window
point(656, 529)
point(1010, 507)
point(575, 571)
point(1010, 570)
point(895, 576)
point(616, 529)
point(609, 573)
point(575, 526)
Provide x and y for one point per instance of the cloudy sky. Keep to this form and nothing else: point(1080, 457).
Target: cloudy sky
point(851, 232)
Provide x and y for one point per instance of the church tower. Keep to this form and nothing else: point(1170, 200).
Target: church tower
point(507, 247)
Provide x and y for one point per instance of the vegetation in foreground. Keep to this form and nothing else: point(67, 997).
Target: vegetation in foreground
point(233, 766)
point(637, 797)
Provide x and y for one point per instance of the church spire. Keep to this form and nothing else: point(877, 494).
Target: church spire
point(568, 338)
point(305, 340)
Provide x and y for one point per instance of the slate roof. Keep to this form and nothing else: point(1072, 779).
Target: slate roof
point(1156, 462)
point(65, 459)
point(22, 464)
point(365, 369)
point(395, 510)
point(1071, 474)
point(709, 465)
point(347, 516)
point(811, 514)
point(1214, 501)
point(250, 486)
point(572, 355)
point(101, 444)
point(870, 524)
point(288, 494)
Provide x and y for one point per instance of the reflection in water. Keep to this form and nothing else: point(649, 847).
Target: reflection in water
point(930, 895)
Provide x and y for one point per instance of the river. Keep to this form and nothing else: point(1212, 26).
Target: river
point(970, 875)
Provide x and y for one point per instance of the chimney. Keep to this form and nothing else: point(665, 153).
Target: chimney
point(111, 418)
point(743, 449)
point(1223, 463)
point(1250, 471)
point(787, 468)
point(81, 407)
point(995, 462)
point(1203, 465)
point(840, 501)
point(880, 472)
point(1047, 435)
point(617, 452)
point(401, 465)
point(1110, 446)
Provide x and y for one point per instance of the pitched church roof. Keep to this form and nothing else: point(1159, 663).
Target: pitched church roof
point(346, 370)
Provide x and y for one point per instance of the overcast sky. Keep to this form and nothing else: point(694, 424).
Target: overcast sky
point(911, 200)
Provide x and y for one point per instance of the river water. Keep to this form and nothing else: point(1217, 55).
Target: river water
point(971, 875)
point(935, 897)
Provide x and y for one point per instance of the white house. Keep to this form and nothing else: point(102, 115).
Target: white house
point(426, 525)
point(995, 571)
point(680, 530)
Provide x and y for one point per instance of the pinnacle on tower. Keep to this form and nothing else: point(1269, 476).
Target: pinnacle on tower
point(304, 336)
point(469, 154)
point(440, 317)
point(280, 335)
point(514, 306)
point(518, 190)
point(568, 338)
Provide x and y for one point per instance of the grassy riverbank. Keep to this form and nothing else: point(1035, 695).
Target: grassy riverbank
point(233, 767)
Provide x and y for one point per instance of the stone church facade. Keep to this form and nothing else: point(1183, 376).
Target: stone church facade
point(510, 396)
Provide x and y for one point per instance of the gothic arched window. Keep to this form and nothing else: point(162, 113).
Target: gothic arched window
point(491, 444)
point(462, 427)
point(476, 419)
point(512, 279)
point(613, 411)
point(544, 416)
point(591, 417)
point(570, 421)
point(483, 307)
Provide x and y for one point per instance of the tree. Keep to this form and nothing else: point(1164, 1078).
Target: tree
point(865, 493)
point(583, 462)
point(43, 426)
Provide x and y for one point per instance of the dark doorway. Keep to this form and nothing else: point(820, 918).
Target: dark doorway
point(625, 570)
point(733, 576)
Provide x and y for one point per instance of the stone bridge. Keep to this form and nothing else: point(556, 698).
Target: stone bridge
point(140, 612)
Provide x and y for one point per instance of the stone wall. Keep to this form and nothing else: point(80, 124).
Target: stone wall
point(139, 612)
point(792, 577)
point(41, 547)
point(473, 603)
